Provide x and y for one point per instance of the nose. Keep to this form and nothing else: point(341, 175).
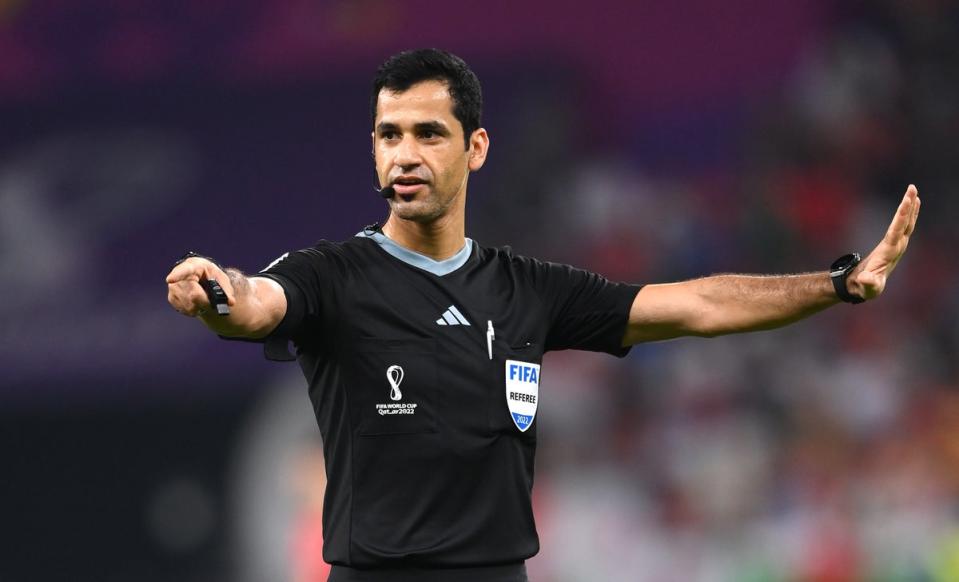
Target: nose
point(407, 153)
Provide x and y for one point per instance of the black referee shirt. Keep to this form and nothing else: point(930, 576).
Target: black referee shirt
point(424, 376)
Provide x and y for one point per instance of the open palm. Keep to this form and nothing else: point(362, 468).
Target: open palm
point(868, 280)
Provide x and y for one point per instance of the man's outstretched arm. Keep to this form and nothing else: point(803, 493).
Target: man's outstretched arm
point(257, 304)
point(724, 304)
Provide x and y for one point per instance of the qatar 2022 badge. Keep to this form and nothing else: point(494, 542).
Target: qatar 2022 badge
point(522, 392)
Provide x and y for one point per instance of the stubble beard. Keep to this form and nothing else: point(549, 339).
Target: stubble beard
point(426, 210)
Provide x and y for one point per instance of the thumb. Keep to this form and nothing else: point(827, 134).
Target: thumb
point(212, 271)
point(872, 283)
point(227, 285)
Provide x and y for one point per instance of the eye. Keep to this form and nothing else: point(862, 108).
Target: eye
point(388, 135)
point(430, 135)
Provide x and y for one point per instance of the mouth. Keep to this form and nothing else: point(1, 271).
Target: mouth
point(408, 187)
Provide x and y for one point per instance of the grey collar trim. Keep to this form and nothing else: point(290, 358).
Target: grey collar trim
point(438, 268)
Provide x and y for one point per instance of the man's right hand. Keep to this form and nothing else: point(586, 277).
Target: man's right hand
point(185, 293)
point(257, 304)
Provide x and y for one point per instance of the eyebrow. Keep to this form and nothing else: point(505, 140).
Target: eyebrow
point(434, 126)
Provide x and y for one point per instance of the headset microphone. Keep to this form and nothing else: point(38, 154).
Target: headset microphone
point(387, 192)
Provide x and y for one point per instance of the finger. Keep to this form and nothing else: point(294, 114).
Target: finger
point(872, 284)
point(192, 296)
point(183, 297)
point(194, 268)
point(210, 270)
point(186, 271)
point(917, 203)
point(223, 280)
point(199, 300)
point(897, 228)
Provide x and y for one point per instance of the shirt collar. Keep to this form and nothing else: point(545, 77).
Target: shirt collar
point(418, 260)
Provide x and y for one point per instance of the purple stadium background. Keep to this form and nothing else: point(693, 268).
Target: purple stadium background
point(649, 141)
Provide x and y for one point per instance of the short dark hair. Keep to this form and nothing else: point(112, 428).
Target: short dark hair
point(403, 70)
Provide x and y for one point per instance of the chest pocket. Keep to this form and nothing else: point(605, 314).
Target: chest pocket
point(516, 370)
point(391, 386)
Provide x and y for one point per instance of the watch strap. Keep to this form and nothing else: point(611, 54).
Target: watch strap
point(839, 272)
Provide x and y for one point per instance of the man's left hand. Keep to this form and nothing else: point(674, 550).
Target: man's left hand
point(868, 279)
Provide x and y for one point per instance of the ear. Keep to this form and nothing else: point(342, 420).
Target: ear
point(373, 144)
point(479, 146)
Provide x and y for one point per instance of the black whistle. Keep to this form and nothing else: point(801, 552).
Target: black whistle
point(216, 295)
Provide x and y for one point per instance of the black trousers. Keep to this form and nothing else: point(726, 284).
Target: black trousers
point(510, 573)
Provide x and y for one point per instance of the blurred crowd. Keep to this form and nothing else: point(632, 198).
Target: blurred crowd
point(823, 452)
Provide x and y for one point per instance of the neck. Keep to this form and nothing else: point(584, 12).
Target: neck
point(439, 239)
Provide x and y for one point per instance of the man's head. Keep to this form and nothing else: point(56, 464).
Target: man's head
point(403, 70)
point(425, 107)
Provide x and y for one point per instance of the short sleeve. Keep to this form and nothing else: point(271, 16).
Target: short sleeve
point(306, 281)
point(586, 311)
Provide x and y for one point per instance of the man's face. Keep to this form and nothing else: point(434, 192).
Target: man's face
point(419, 150)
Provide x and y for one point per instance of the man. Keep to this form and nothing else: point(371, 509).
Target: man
point(422, 349)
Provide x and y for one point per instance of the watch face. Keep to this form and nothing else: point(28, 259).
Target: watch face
point(844, 263)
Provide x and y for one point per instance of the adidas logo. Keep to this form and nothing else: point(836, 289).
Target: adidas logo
point(452, 316)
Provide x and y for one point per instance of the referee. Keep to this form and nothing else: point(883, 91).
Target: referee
point(422, 348)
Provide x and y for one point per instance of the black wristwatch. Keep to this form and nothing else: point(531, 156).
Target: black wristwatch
point(839, 271)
